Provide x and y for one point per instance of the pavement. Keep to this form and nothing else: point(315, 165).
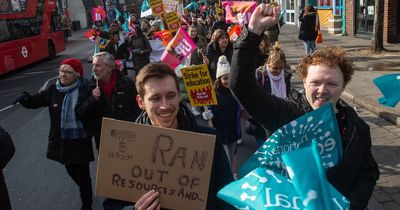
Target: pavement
point(362, 94)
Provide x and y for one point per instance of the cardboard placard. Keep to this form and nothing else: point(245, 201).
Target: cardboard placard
point(135, 158)
point(199, 86)
point(172, 21)
point(157, 7)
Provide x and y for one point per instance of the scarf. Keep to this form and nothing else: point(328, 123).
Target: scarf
point(71, 127)
point(186, 121)
point(278, 85)
point(109, 87)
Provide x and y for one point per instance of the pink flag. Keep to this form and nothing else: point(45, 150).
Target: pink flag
point(238, 11)
point(178, 49)
point(98, 13)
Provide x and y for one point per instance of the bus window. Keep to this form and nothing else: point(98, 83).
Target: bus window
point(5, 6)
point(4, 31)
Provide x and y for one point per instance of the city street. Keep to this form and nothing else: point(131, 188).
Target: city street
point(34, 182)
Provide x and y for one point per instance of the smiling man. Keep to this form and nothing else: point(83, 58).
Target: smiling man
point(325, 74)
point(159, 98)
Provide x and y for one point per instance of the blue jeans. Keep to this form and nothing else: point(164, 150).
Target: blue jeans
point(309, 46)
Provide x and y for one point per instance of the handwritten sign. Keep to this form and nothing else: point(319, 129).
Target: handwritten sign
point(178, 49)
point(172, 21)
point(170, 5)
point(137, 158)
point(157, 7)
point(198, 84)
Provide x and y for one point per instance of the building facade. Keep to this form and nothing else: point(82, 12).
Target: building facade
point(360, 19)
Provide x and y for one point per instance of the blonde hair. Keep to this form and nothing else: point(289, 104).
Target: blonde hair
point(276, 55)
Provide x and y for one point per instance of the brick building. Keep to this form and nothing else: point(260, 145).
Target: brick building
point(359, 20)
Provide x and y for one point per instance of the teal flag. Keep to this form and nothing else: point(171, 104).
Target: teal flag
point(319, 124)
point(307, 187)
point(125, 27)
point(117, 14)
point(310, 182)
point(105, 27)
point(389, 85)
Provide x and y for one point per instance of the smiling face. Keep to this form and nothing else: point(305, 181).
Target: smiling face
point(67, 75)
point(223, 41)
point(192, 32)
point(161, 101)
point(323, 84)
point(225, 80)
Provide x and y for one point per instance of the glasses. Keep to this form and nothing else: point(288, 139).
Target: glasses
point(60, 71)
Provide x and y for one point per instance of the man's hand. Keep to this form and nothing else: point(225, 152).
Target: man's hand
point(263, 17)
point(149, 201)
point(96, 93)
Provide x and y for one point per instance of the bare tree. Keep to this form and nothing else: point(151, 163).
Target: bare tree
point(377, 33)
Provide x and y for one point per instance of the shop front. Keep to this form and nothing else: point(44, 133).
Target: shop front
point(364, 17)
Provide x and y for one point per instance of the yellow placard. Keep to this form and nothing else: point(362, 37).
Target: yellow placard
point(219, 10)
point(172, 21)
point(157, 7)
point(199, 86)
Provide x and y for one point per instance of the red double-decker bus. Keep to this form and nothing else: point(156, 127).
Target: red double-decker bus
point(30, 30)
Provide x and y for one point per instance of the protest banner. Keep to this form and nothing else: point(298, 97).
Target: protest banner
point(307, 188)
point(199, 85)
point(170, 5)
point(157, 7)
point(234, 33)
point(238, 11)
point(172, 21)
point(288, 170)
point(178, 49)
point(98, 14)
point(319, 124)
point(135, 158)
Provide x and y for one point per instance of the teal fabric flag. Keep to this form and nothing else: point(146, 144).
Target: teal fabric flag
point(310, 182)
point(319, 124)
point(308, 187)
point(389, 85)
point(105, 27)
point(125, 27)
point(117, 14)
point(145, 9)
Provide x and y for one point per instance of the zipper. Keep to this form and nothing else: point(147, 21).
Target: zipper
point(351, 139)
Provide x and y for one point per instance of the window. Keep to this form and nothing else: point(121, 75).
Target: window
point(11, 6)
point(22, 28)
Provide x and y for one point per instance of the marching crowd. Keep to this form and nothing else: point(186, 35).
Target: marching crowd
point(251, 80)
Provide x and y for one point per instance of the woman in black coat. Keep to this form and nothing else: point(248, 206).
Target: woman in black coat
point(69, 139)
point(141, 49)
point(309, 26)
point(219, 45)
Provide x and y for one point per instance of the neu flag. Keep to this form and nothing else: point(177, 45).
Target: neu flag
point(319, 124)
point(389, 85)
point(238, 11)
point(178, 49)
point(307, 187)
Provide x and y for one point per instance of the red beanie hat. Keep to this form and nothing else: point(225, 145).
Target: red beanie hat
point(75, 64)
